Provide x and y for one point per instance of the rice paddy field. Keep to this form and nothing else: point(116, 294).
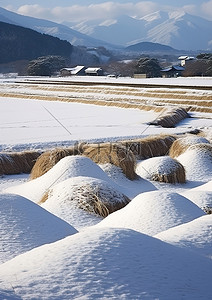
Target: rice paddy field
point(105, 188)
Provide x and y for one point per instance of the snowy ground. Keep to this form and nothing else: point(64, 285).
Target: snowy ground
point(156, 247)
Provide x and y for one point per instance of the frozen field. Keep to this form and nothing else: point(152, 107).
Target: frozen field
point(156, 247)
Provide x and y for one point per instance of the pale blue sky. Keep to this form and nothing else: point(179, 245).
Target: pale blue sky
point(78, 10)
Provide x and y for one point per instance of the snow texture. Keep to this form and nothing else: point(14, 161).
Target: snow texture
point(108, 264)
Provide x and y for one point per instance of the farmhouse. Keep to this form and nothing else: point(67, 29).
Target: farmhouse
point(81, 70)
point(184, 59)
point(173, 71)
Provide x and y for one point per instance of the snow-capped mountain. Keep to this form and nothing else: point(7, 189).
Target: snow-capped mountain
point(58, 30)
point(176, 29)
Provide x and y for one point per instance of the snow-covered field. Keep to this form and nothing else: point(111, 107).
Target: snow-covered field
point(159, 246)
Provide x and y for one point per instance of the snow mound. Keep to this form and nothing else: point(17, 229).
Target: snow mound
point(203, 199)
point(162, 168)
point(197, 161)
point(80, 200)
point(67, 167)
point(24, 225)
point(195, 235)
point(131, 188)
point(203, 187)
point(109, 264)
point(153, 212)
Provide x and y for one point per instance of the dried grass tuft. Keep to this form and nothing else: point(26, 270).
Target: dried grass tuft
point(170, 117)
point(182, 144)
point(162, 169)
point(48, 159)
point(151, 146)
point(17, 162)
point(117, 155)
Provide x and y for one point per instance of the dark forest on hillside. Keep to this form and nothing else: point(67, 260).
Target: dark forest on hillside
point(17, 43)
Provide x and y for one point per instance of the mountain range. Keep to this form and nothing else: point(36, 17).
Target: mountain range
point(177, 29)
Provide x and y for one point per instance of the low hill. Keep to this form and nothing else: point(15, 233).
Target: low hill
point(18, 43)
point(150, 47)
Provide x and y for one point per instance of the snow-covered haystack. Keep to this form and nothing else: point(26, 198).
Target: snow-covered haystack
point(93, 195)
point(17, 162)
point(170, 117)
point(48, 159)
point(197, 161)
point(67, 167)
point(195, 235)
point(24, 225)
point(131, 188)
point(115, 154)
point(182, 144)
point(155, 145)
point(153, 212)
point(108, 264)
point(162, 169)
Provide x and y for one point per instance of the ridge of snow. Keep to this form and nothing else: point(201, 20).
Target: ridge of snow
point(153, 212)
point(195, 235)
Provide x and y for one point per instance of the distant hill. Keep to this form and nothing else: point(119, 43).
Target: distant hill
point(150, 47)
point(19, 43)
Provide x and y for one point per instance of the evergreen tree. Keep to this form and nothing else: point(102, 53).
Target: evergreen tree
point(148, 66)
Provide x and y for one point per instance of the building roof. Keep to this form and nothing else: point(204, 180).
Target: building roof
point(75, 70)
point(92, 70)
point(185, 57)
point(173, 68)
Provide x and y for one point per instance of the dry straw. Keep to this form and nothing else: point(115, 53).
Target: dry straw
point(151, 146)
point(48, 159)
point(182, 144)
point(170, 117)
point(162, 169)
point(93, 198)
point(17, 162)
point(202, 148)
point(117, 155)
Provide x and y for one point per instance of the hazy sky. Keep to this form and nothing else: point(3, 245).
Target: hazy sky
point(80, 10)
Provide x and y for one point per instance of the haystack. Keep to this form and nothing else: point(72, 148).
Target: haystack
point(93, 195)
point(150, 146)
point(17, 162)
point(117, 155)
point(170, 117)
point(180, 145)
point(49, 159)
point(162, 169)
